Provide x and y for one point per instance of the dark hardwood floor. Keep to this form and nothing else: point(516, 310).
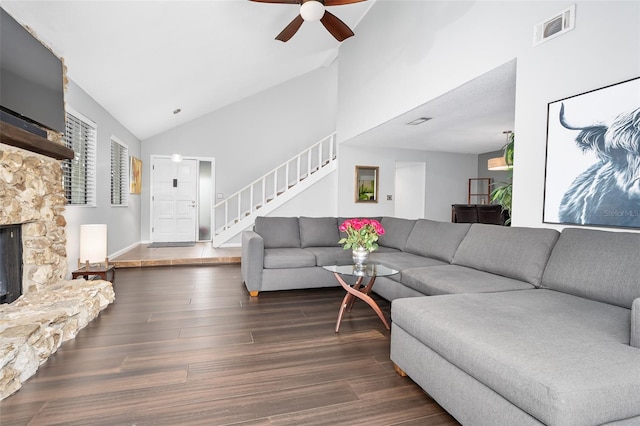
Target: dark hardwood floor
point(186, 345)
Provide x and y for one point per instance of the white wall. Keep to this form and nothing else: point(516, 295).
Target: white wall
point(254, 135)
point(389, 69)
point(603, 49)
point(409, 52)
point(446, 180)
point(317, 201)
point(386, 70)
point(123, 223)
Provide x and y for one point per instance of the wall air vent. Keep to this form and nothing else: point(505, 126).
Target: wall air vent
point(554, 26)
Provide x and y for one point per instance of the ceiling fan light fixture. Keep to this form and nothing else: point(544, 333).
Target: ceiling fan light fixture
point(312, 10)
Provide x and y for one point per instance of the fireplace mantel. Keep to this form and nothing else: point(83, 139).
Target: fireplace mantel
point(15, 136)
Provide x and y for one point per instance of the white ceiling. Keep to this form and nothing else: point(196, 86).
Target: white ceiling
point(142, 59)
point(469, 119)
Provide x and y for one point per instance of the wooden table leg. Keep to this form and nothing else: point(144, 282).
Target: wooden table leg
point(362, 295)
point(352, 300)
point(345, 302)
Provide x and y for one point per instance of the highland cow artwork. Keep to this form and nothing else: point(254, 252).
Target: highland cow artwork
point(593, 158)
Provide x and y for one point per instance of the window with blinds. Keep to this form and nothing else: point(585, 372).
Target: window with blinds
point(79, 173)
point(119, 173)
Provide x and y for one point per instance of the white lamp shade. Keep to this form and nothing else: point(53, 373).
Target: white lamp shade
point(312, 11)
point(93, 243)
point(176, 158)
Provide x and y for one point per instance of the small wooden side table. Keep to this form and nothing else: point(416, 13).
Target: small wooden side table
point(358, 291)
point(93, 270)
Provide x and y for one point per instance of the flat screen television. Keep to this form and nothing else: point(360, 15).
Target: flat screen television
point(31, 78)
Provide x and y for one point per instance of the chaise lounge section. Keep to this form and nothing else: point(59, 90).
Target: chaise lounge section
point(564, 354)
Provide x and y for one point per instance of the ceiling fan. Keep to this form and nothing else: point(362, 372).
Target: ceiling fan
point(312, 11)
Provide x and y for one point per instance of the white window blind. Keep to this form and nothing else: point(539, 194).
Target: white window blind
point(79, 177)
point(119, 173)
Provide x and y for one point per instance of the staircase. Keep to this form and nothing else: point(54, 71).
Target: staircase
point(276, 187)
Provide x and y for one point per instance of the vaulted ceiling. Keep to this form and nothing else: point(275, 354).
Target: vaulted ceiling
point(143, 59)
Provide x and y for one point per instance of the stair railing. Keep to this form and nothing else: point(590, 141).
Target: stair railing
point(274, 183)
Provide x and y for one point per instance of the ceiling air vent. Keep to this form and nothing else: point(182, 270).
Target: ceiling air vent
point(418, 121)
point(555, 26)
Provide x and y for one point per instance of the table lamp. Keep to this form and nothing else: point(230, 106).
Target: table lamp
point(93, 245)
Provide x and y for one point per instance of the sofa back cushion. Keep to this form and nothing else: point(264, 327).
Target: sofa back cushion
point(318, 231)
point(514, 252)
point(396, 232)
point(437, 240)
point(597, 265)
point(278, 232)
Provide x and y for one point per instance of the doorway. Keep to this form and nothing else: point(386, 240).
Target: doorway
point(410, 186)
point(182, 199)
point(173, 200)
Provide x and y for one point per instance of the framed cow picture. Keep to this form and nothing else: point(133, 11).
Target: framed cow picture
point(592, 174)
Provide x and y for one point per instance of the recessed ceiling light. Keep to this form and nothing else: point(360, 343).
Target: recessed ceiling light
point(418, 121)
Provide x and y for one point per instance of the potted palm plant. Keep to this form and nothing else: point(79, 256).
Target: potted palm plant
point(502, 193)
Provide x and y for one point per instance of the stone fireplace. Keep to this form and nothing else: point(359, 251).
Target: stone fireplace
point(51, 309)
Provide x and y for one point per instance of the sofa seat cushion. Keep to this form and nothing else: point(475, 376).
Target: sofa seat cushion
point(288, 258)
point(401, 261)
point(329, 255)
point(452, 279)
point(514, 252)
point(564, 360)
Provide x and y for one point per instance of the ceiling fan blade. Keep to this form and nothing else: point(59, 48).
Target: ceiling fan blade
point(290, 29)
point(278, 1)
point(335, 26)
point(340, 2)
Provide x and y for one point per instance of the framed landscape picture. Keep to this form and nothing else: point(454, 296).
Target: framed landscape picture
point(366, 184)
point(592, 174)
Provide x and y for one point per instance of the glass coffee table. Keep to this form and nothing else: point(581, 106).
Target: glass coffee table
point(359, 291)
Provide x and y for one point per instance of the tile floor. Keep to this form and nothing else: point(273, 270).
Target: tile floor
point(200, 254)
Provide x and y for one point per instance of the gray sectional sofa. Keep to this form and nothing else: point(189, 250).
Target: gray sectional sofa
point(522, 325)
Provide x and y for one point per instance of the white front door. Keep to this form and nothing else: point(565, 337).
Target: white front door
point(174, 200)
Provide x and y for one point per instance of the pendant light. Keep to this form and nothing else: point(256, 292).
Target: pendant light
point(177, 157)
point(500, 163)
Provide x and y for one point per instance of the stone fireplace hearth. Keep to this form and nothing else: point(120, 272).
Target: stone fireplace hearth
point(51, 309)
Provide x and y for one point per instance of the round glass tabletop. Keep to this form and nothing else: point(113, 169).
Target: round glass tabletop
point(370, 269)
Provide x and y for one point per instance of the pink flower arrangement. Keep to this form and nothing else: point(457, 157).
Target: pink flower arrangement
point(361, 233)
